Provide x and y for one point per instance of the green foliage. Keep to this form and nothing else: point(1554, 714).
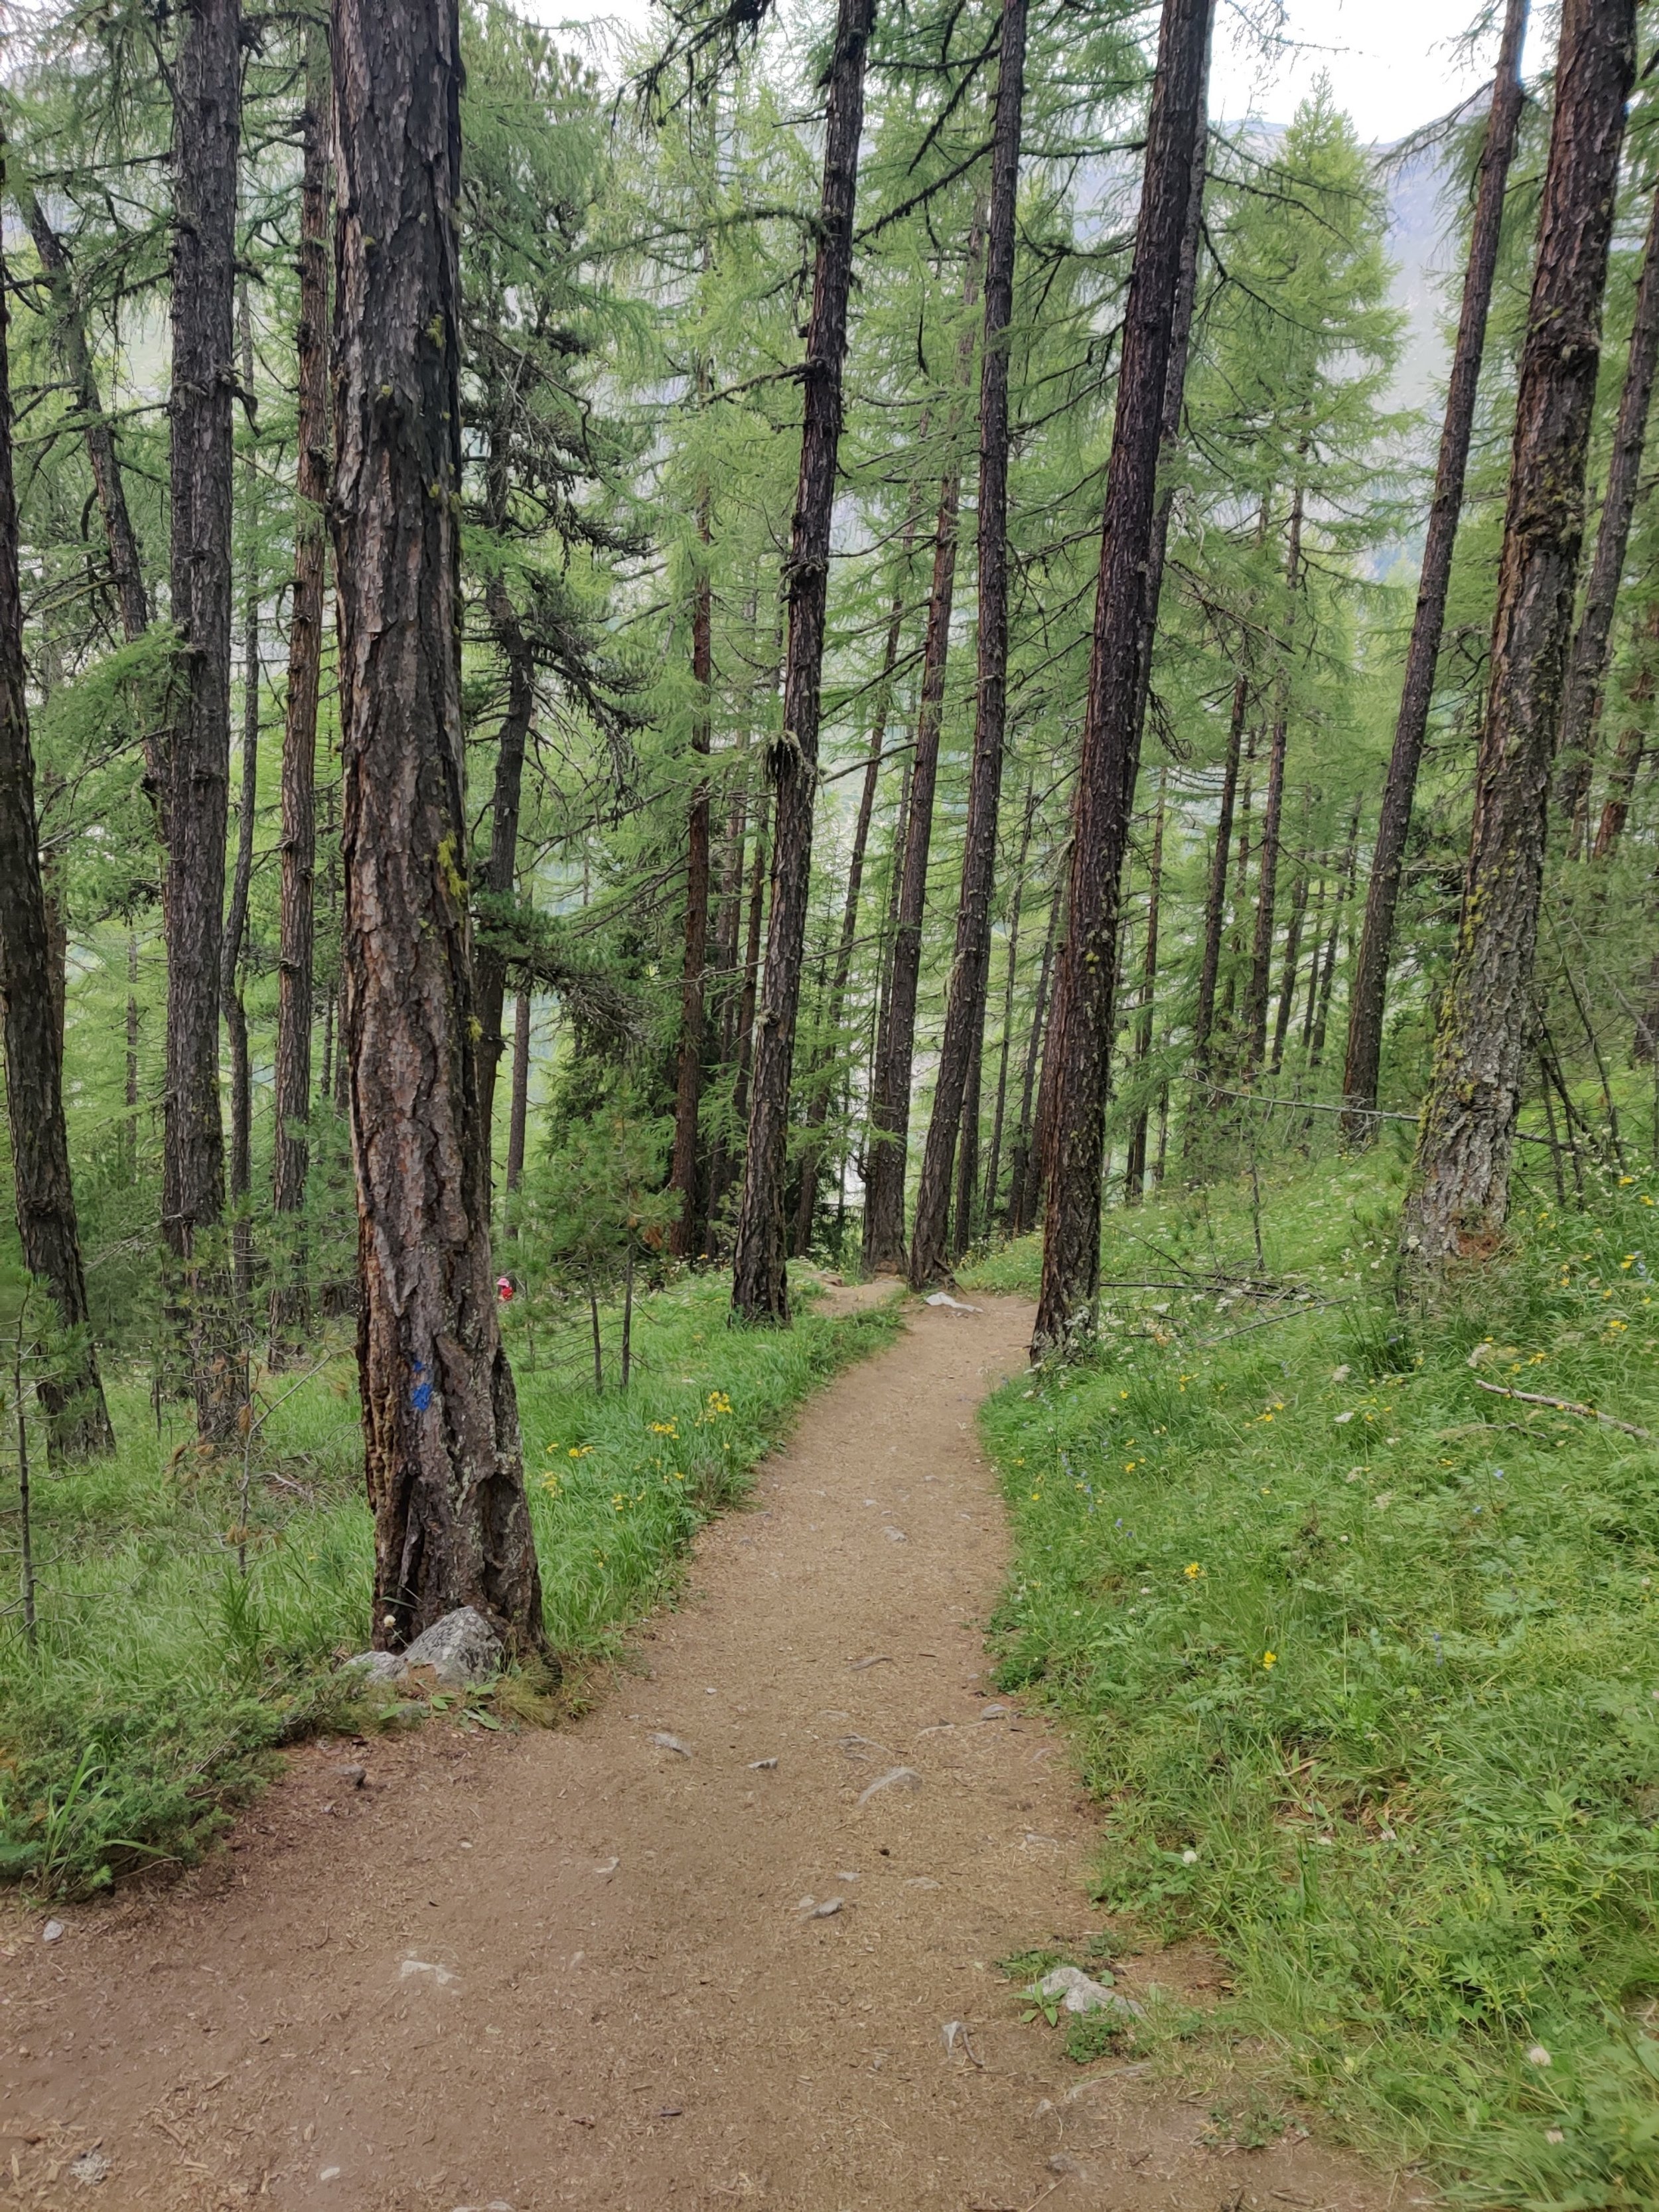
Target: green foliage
point(1360, 1658)
point(163, 1681)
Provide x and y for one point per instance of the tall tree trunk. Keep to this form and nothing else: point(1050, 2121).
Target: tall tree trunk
point(501, 869)
point(749, 997)
point(1266, 893)
point(1112, 729)
point(686, 1233)
point(1369, 996)
point(998, 1116)
point(970, 961)
point(1344, 892)
point(445, 1464)
point(962, 1234)
point(130, 1145)
point(1215, 903)
point(760, 1288)
point(818, 1107)
point(290, 1295)
point(889, 1144)
point(726, 958)
point(1134, 1180)
point(1293, 967)
point(1460, 1193)
point(77, 1420)
point(518, 1120)
point(1024, 1177)
point(206, 117)
point(230, 949)
point(1581, 699)
point(1640, 692)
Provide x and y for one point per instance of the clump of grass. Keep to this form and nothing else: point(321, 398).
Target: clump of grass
point(1362, 1660)
point(164, 1681)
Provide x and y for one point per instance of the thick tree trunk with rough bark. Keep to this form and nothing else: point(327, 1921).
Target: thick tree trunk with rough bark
point(444, 1467)
point(1460, 1195)
point(1370, 983)
point(760, 1289)
point(1111, 731)
point(685, 1234)
point(931, 1242)
point(77, 1421)
point(207, 96)
point(1581, 700)
point(290, 1296)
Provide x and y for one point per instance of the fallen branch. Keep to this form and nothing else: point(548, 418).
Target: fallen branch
point(1566, 1406)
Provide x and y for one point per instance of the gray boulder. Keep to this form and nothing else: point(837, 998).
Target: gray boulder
point(462, 1650)
point(370, 1667)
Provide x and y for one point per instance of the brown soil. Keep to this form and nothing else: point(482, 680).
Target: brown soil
point(579, 1969)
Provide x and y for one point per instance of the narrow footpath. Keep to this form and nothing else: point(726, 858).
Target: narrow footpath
point(597, 1968)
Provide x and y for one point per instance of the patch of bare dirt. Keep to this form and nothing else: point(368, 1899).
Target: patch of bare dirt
point(588, 1969)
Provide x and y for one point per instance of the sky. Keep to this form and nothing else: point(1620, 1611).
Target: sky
point(1392, 63)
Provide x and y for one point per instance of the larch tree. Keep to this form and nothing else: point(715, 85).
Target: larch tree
point(70, 1388)
point(445, 1467)
point(1082, 1015)
point(1459, 1197)
point(196, 767)
point(1368, 993)
point(964, 1013)
point(760, 1289)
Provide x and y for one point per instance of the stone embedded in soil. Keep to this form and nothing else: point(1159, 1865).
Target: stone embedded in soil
point(665, 1742)
point(375, 1666)
point(1078, 1992)
point(462, 1650)
point(901, 1778)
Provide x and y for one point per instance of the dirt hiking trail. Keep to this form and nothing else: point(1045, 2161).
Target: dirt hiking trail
point(583, 1969)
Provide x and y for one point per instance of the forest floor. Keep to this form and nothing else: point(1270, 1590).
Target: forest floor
point(579, 1968)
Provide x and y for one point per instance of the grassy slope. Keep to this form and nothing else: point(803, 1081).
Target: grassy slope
point(163, 1677)
point(1363, 1661)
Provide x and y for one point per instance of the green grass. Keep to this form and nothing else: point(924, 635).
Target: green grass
point(1364, 1661)
point(163, 1678)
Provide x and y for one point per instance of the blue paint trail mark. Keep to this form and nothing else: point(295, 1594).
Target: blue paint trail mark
point(421, 1397)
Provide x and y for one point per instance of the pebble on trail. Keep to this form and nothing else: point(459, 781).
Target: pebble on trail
point(665, 1742)
point(901, 1778)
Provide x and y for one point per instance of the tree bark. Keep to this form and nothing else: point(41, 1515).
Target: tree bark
point(518, 1116)
point(1344, 898)
point(1581, 700)
point(77, 1421)
point(685, 1234)
point(970, 963)
point(290, 1296)
point(207, 94)
point(444, 1467)
point(1267, 892)
point(501, 869)
point(235, 931)
point(1369, 996)
point(1460, 1195)
point(962, 1234)
point(1111, 731)
point(760, 1288)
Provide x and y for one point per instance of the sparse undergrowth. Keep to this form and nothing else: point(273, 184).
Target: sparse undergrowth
point(1362, 1657)
point(164, 1679)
